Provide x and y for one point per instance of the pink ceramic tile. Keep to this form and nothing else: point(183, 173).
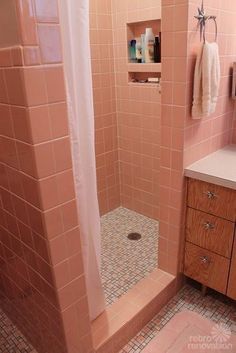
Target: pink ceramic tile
point(50, 43)
point(65, 186)
point(8, 152)
point(45, 11)
point(31, 56)
point(17, 56)
point(6, 122)
point(31, 190)
point(76, 267)
point(20, 123)
point(73, 241)
point(55, 84)
point(6, 58)
point(58, 249)
point(53, 223)
point(27, 21)
point(39, 124)
point(59, 121)
point(35, 86)
point(62, 154)
point(49, 193)
point(61, 272)
point(44, 160)
point(69, 215)
point(14, 80)
point(69, 294)
point(127, 118)
point(3, 88)
point(41, 245)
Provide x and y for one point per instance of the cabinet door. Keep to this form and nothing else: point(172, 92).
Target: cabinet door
point(208, 268)
point(231, 292)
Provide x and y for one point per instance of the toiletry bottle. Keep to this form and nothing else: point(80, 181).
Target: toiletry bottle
point(143, 47)
point(149, 46)
point(160, 45)
point(138, 50)
point(157, 57)
point(132, 50)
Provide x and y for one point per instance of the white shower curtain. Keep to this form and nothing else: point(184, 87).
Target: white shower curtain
point(74, 17)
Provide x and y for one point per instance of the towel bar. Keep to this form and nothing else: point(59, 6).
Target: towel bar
point(202, 20)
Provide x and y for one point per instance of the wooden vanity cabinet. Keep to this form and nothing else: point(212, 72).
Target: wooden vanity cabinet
point(231, 292)
point(210, 244)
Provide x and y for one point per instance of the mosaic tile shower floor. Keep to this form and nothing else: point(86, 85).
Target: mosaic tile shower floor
point(124, 261)
point(214, 306)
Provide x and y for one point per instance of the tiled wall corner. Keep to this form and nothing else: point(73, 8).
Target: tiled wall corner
point(207, 135)
point(191, 140)
point(104, 95)
point(40, 250)
point(173, 111)
point(138, 117)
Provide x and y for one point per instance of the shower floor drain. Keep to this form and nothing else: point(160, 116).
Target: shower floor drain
point(134, 236)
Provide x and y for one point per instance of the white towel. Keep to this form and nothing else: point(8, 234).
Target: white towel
point(206, 81)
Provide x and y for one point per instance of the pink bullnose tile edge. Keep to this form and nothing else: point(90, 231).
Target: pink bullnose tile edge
point(124, 318)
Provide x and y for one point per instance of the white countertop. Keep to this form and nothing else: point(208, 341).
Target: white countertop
point(217, 168)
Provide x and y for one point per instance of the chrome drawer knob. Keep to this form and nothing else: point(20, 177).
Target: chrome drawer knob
point(210, 194)
point(205, 259)
point(208, 225)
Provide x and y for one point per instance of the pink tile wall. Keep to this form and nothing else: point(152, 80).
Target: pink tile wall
point(105, 105)
point(138, 116)
point(234, 126)
point(42, 282)
point(191, 140)
point(127, 118)
point(209, 134)
point(41, 263)
point(9, 33)
point(173, 110)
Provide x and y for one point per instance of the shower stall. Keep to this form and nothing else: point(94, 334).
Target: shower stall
point(79, 204)
point(127, 138)
point(119, 115)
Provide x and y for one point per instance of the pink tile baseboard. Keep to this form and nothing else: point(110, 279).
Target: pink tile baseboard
point(123, 319)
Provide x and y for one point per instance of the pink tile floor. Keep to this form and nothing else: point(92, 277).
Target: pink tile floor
point(214, 306)
point(188, 331)
point(11, 339)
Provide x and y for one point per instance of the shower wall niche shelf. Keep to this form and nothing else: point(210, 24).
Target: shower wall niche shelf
point(135, 67)
point(140, 77)
point(137, 72)
point(142, 71)
point(135, 29)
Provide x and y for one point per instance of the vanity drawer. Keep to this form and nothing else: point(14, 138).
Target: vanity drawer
point(209, 232)
point(213, 199)
point(206, 267)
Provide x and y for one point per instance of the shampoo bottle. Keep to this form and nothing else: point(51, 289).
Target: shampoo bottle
point(149, 46)
point(132, 50)
point(143, 47)
point(138, 50)
point(157, 53)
